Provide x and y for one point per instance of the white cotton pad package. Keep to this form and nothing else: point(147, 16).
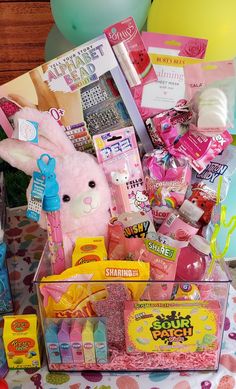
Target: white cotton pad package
point(212, 109)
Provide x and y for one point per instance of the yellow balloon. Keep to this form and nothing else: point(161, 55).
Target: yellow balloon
point(214, 20)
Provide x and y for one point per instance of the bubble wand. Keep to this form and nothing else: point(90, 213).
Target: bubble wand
point(51, 205)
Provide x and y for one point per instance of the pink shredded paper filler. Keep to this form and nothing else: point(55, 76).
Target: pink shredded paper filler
point(119, 360)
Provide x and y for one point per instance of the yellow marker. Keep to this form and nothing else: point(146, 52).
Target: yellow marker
point(100, 143)
point(88, 342)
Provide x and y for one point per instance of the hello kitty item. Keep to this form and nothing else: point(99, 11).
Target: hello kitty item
point(117, 152)
point(119, 177)
point(84, 192)
point(141, 201)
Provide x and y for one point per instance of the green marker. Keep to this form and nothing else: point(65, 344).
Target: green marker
point(100, 342)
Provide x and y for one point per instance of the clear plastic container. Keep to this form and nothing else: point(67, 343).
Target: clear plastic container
point(193, 260)
point(141, 335)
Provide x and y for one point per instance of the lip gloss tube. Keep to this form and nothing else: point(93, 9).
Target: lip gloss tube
point(126, 64)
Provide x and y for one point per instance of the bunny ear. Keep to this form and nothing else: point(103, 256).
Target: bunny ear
point(51, 136)
point(20, 154)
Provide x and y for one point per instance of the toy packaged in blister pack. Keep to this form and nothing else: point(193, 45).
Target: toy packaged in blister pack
point(118, 154)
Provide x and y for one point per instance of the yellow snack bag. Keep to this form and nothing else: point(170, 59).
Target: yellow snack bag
point(89, 250)
point(20, 337)
point(71, 294)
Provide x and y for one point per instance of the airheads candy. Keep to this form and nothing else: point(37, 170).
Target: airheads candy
point(70, 294)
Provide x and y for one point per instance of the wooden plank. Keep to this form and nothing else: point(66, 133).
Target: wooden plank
point(24, 29)
point(7, 75)
point(21, 1)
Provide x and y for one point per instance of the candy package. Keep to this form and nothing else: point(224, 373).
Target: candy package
point(161, 257)
point(120, 247)
point(166, 180)
point(163, 263)
point(203, 190)
point(136, 225)
point(200, 149)
point(172, 326)
point(70, 294)
point(165, 127)
point(89, 249)
point(118, 154)
point(126, 238)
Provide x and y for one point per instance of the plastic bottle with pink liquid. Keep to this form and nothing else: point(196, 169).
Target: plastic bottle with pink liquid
point(193, 259)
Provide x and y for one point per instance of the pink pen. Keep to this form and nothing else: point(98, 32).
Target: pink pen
point(76, 342)
point(51, 205)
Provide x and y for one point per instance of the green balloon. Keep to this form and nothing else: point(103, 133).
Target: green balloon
point(82, 20)
point(56, 44)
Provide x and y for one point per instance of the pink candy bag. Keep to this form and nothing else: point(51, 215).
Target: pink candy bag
point(166, 180)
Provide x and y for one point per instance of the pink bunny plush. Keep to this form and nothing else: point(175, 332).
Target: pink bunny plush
point(84, 191)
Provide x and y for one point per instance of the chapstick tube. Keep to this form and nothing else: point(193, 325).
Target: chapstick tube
point(126, 64)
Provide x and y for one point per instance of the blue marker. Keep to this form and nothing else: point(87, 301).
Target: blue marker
point(52, 344)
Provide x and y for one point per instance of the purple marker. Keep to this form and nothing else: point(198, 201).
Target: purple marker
point(64, 343)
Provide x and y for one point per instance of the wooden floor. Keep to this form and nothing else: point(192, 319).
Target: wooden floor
point(23, 32)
